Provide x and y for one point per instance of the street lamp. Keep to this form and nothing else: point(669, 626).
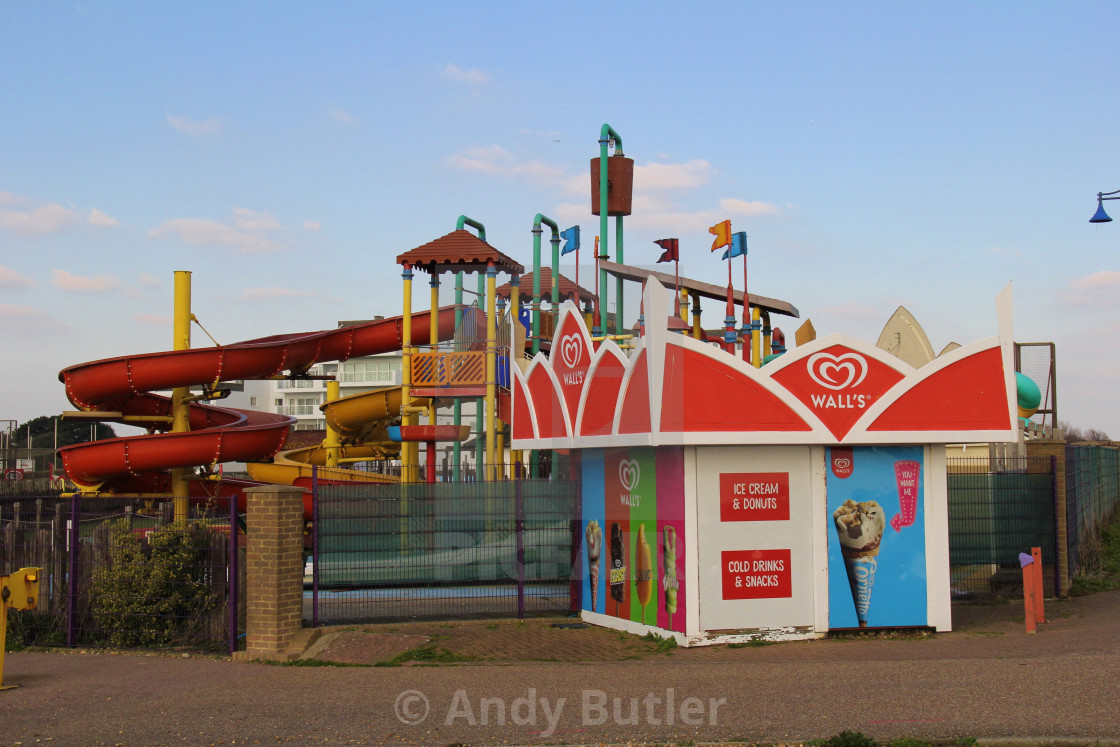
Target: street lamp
point(1101, 216)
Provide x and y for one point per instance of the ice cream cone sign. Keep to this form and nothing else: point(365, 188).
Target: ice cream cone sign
point(859, 527)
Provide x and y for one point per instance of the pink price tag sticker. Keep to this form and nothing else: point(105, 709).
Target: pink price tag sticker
point(906, 475)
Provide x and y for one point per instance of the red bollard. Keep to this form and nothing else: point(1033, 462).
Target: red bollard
point(1039, 594)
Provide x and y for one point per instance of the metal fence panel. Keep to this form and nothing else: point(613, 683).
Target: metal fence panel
point(442, 550)
point(116, 574)
point(1092, 492)
point(994, 514)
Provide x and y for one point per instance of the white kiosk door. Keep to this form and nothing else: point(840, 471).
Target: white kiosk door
point(756, 524)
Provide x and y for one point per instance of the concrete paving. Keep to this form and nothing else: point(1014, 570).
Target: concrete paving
point(986, 680)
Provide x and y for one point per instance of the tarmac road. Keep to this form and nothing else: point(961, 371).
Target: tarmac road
point(988, 679)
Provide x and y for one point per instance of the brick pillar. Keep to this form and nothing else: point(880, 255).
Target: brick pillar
point(274, 571)
point(1054, 448)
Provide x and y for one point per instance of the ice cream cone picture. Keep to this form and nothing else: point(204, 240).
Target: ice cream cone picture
point(859, 527)
point(669, 582)
point(906, 474)
point(643, 578)
point(594, 549)
point(618, 566)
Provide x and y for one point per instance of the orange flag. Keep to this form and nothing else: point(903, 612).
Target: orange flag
point(722, 232)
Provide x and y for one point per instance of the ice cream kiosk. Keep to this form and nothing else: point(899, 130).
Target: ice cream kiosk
point(723, 502)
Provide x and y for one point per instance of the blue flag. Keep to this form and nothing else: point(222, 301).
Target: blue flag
point(571, 239)
point(738, 245)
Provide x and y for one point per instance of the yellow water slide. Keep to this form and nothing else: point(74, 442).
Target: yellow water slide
point(362, 421)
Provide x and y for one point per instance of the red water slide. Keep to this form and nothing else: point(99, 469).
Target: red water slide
point(139, 463)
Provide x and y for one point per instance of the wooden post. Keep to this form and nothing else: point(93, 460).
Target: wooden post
point(1039, 594)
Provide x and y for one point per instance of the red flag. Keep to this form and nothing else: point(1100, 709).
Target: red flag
point(722, 232)
point(672, 251)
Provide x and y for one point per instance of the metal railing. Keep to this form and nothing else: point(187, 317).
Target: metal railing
point(113, 575)
point(996, 513)
point(384, 552)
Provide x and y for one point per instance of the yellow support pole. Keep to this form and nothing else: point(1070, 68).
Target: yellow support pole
point(684, 305)
point(406, 373)
point(756, 338)
point(491, 369)
point(332, 443)
point(696, 331)
point(180, 406)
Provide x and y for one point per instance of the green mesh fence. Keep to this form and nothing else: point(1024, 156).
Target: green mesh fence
point(443, 549)
point(995, 514)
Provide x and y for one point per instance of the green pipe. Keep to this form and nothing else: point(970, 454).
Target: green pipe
point(538, 219)
point(618, 330)
point(457, 406)
point(465, 221)
point(479, 403)
point(606, 134)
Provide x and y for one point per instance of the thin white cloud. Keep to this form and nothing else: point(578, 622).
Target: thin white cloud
point(11, 198)
point(98, 218)
point(669, 176)
point(494, 159)
point(1001, 252)
point(194, 127)
point(11, 280)
point(248, 232)
point(28, 320)
point(81, 284)
point(250, 220)
point(312, 225)
point(342, 117)
point(149, 281)
point(474, 76)
point(748, 207)
point(1102, 279)
point(153, 319)
point(265, 294)
point(41, 220)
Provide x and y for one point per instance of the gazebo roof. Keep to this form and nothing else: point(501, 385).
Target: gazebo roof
point(458, 251)
point(568, 289)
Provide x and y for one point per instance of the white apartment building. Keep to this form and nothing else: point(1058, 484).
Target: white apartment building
point(300, 398)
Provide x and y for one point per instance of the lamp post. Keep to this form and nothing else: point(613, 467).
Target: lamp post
point(1101, 216)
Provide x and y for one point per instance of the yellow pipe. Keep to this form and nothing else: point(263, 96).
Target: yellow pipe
point(491, 368)
point(696, 331)
point(756, 338)
point(406, 373)
point(332, 442)
point(684, 305)
point(180, 407)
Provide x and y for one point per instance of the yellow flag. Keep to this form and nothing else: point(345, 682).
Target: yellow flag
point(722, 232)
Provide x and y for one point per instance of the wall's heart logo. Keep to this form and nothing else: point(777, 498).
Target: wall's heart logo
point(837, 371)
point(571, 349)
point(629, 472)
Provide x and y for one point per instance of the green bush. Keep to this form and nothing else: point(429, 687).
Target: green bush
point(153, 592)
point(849, 739)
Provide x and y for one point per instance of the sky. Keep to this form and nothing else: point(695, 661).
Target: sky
point(877, 154)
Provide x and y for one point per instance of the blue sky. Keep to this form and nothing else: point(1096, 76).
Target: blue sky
point(877, 154)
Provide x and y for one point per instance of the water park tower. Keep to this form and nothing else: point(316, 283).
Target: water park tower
point(471, 373)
